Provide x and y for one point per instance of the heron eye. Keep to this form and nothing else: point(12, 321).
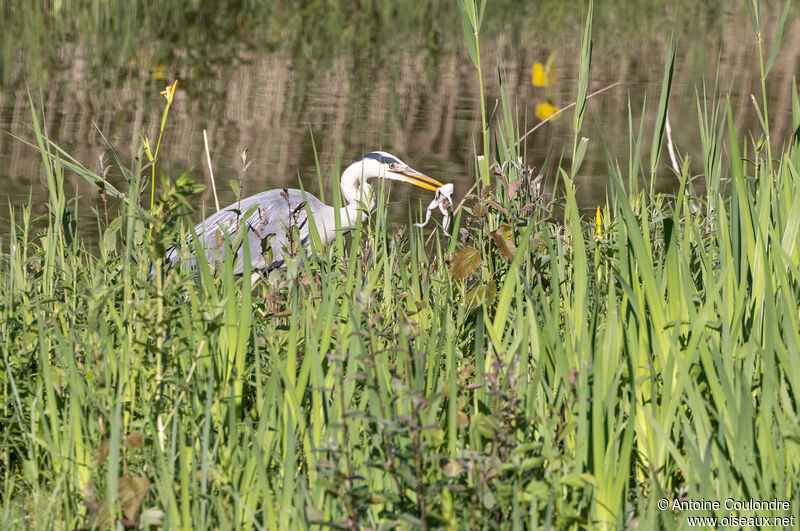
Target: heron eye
point(392, 166)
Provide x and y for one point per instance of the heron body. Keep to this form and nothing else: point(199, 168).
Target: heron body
point(276, 219)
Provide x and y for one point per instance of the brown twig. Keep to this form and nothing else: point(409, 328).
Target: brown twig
point(557, 113)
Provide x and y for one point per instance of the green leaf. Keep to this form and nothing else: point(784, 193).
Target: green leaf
point(234, 184)
point(579, 480)
point(583, 71)
point(314, 515)
point(795, 112)
point(661, 116)
point(776, 43)
point(469, 38)
point(580, 153)
point(754, 11)
point(487, 498)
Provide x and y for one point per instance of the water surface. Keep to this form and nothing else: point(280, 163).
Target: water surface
point(296, 86)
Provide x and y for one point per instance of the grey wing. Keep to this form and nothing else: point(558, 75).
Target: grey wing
point(268, 218)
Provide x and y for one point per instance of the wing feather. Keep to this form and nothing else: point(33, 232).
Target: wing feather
point(271, 215)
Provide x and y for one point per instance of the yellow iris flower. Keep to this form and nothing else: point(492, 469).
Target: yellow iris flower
point(598, 226)
point(543, 75)
point(545, 110)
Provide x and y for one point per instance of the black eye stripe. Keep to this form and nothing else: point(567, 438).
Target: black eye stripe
point(381, 157)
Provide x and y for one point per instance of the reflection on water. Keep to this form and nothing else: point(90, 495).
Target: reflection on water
point(409, 97)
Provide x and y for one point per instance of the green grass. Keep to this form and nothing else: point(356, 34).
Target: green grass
point(538, 370)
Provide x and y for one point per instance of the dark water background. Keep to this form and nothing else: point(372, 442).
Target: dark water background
point(280, 79)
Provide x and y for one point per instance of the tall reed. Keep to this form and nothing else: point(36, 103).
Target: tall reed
point(536, 369)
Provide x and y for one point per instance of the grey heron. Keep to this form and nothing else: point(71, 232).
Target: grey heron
point(273, 218)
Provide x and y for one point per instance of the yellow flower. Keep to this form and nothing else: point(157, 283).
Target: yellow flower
point(538, 78)
point(158, 72)
point(169, 91)
point(543, 75)
point(598, 226)
point(546, 110)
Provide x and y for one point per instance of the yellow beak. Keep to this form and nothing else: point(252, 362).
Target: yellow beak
point(411, 176)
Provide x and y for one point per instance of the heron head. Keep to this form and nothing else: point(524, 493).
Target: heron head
point(380, 165)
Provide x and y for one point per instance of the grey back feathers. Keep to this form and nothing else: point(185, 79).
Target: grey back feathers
point(269, 218)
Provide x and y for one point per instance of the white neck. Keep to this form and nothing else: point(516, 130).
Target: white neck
point(357, 191)
point(349, 215)
point(355, 187)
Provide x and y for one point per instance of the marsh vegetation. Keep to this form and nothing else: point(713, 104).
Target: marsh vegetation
point(540, 368)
